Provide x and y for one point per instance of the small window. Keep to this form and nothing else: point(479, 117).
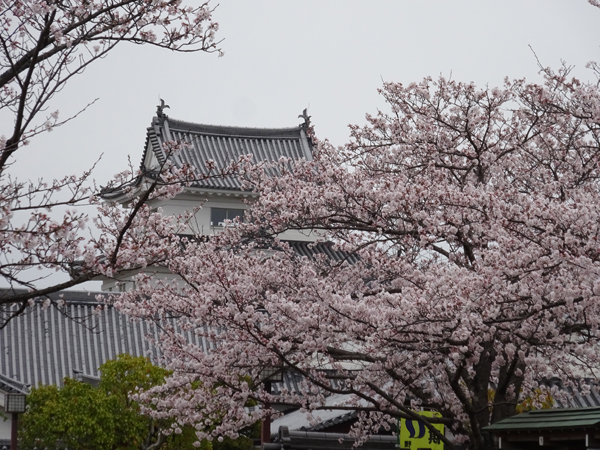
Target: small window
point(218, 216)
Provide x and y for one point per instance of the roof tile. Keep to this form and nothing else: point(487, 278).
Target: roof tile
point(225, 145)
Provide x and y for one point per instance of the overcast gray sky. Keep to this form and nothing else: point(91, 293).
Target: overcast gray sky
point(284, 56)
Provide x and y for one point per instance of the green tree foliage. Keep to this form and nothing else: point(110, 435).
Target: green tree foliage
point(537, 400)
point(79, 416)
point(76, 416)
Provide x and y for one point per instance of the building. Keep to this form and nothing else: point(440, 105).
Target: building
point(217, 196)
point(45, 345)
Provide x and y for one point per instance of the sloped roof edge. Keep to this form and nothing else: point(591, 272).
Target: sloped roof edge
point(544, 419)
point(218, 143)
point(232, 131)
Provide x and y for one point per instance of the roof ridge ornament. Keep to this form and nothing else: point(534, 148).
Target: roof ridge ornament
point(160, 108)
point(306, 118)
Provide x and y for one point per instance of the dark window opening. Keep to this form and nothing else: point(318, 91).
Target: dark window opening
point(218, 216)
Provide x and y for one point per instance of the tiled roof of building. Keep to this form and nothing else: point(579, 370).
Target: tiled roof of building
point(224, 145)
point(310, 249)
point(543, 419)
point(326, 418)
point(219, 146)
point(306, 440)
point(569, 397)
point(45, 345)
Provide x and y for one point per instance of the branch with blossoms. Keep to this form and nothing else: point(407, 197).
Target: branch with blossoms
point(44, 44)
point(124, 238)
point(473, 220)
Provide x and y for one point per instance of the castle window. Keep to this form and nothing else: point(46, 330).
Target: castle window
point(218, 216)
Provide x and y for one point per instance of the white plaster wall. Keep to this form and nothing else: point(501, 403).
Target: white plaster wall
point(201, 203)
point(124, 282)
point(204, 201)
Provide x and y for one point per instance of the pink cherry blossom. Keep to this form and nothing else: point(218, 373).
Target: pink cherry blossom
point(43, 45)
point(470, 221)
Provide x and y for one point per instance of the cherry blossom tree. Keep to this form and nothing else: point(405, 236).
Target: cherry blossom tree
point(466, 223)
point(43, 44)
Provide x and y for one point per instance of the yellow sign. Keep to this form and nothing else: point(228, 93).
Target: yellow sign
point(416, 436)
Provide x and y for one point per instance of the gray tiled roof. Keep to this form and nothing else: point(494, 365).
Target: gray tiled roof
point(569, 397)
point(307, 440)
point(45, 345)
point(219, 144)
point(223, 145)
point(328, 249)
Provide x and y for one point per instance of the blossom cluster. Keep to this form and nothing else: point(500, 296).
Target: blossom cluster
point(466, 223)
point(43, 44)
